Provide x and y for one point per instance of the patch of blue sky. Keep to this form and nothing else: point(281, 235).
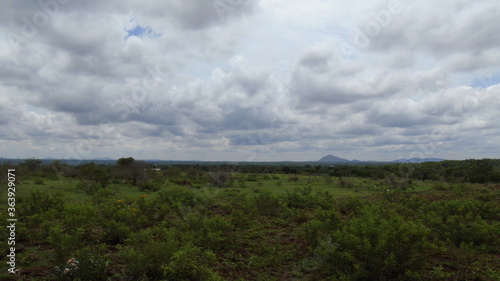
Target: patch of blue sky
point(485, 81)
point(140, 31)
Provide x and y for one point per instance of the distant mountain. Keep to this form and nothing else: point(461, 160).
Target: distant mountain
point(418, 160)
point(332, 159)
point(104, 159)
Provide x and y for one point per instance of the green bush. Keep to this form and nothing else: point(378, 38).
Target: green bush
point(146, 261)
point(300, 198)
point(266, 203)
point(351, 205)
point(221, 179)
point(146, 252)
point(374, 247)
point(241, 219)
point(346, 184)
point(36, 202)
point(156, 254)
point(39, 181)
point(180, 195)
point(89, 187)
point(191, 263)
point(251, 178)
point(313, 231)
point(465, 228)
point(37, 226)
point(154, 184)
point(115, 232)
point(441, 186)
point(90, 263)
point(103, 195)
point(307, 197)
point(323, 223)
point(94, 173)
point(208, 232)
point(62, 243)
point(81, 221)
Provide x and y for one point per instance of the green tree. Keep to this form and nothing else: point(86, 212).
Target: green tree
point(32, 164)
point(125, 161)
point(94, 173)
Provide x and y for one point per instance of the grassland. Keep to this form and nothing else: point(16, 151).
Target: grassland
point(255, 226)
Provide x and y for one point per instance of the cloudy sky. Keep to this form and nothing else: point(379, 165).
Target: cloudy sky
point(245, 80)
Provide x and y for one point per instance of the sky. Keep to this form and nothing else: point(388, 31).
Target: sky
point(241, 80)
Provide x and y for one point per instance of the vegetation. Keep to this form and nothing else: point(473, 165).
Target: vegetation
point(136, 221)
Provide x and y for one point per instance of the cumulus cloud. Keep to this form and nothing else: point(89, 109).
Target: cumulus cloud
point(249, 80)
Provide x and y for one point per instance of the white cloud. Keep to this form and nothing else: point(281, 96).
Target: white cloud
point(260, 80)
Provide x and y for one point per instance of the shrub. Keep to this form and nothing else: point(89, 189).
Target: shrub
point(324, 222)
point(299, 198)
point(94, 173)
point(80, 221)
point(39, 181)
point(440, 186)
point(251, 177)
point(372, 247)
point(240, 219)
point(62, 242)
point(191, 263)
point(312, 231)
point(221, 179)
point(146, 252)
point(351, 205)
point(39, 225)
point(89, 187)
point(146, 261)
point(90, 263)
point(346, 184)
point(208, 232)
point(266, 203)
point(103, 195)
point(465, 228)
point(115, 232)
point(154, 184)
point(36, 202)
point(155, 253)
point(180, 195)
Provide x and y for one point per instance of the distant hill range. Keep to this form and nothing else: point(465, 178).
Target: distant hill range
point(337, 160)
point(329, 159)
point(418, 160)
point(333, 159)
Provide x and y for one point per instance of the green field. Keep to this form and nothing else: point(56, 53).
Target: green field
point(220, 223)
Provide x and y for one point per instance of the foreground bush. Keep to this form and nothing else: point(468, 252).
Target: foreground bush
point(157, 254)
point(374, 246)
point(36, 202)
